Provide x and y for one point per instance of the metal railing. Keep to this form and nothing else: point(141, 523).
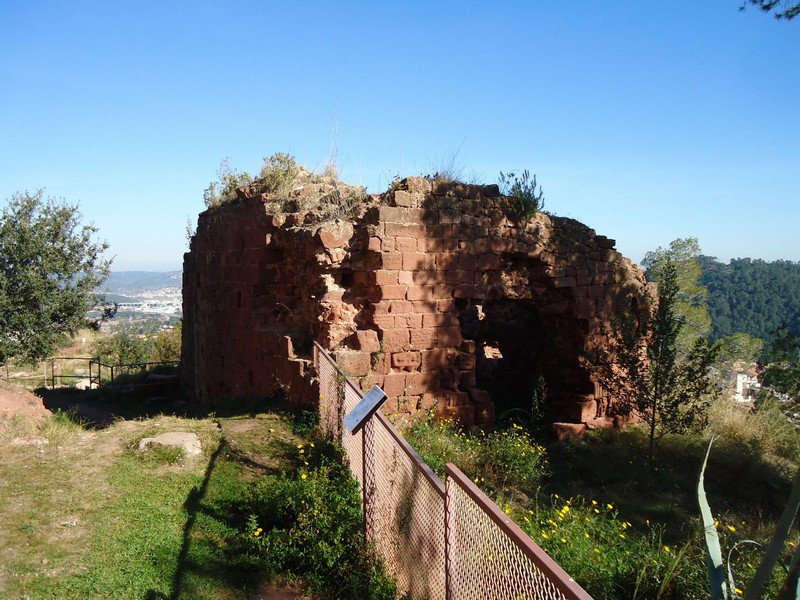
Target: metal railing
point(438, 541)
point(97, 373)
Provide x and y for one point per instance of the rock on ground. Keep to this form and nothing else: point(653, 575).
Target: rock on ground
point(189, 442)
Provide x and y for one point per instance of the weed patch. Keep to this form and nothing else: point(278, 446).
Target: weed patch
point(309, 524)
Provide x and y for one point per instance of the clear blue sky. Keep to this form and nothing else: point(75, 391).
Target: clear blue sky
point(648, 121)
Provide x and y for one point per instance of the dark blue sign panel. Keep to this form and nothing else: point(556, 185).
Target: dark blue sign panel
point(364, 410)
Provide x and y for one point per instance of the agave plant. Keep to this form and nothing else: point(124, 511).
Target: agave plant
point(772, 552)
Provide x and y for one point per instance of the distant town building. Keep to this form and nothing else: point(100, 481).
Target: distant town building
point(747, 387)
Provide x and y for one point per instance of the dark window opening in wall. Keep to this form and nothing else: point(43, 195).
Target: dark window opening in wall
point(346, 279)
point(238, 299)
point(510, 344)
point(250, 377)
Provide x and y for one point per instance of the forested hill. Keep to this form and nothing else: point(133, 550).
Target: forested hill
point(751, 296)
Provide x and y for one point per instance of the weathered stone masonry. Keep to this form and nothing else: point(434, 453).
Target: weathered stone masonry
point(432, 292)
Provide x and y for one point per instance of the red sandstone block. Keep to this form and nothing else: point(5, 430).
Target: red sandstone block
point(449, 245)
point(445, 306)
point(418, 383)
point(433, 360)
point(414, 230)
point(423, 339)
point(412, 321)
point(416, 261)
point(383, 277)
point(404, 199)
point(499, 245)
point(381, 365)
point(394, 384)
point(585, 308)
point(367, 340)
point(420, 293)
point(395, 339)
point(605, 306)
point(564, 282)
point(406, 277)
point(448, 336)
point(582, 411)
point(393, 292)
point(464, 291)
point(466, 362)
point(467, 378)
point(355, 364)
point(437, 320)
point(446, 261)
point(391, 406)
point(429, 277)
point(489, 262)
point(406, 361)
point(403, 244)
point(456, 399)
point(440, 231)
point(429, 245)
point(425, 306)
point(392, 261)
point(596, 291)
point(467, 262)
point(381, 307)
point(449, 378)
point(442, 292)
point(375, 244)
point(400, 307)
point(384, 321)
point(459, 277)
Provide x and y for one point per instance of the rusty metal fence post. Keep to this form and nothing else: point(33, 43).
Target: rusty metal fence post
point(439, 541)
point(368, 488)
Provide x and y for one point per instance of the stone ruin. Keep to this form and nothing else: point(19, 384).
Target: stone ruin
point(431, 291)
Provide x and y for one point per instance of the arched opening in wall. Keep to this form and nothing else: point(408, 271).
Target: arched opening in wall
point(511, 343)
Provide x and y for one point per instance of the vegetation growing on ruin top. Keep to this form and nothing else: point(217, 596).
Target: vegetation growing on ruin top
point(287, 187)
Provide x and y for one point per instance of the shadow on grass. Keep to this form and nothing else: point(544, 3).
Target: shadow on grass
point(99, 408)
point(613, 467)
point(207, 560)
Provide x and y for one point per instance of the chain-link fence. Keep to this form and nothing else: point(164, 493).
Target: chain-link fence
point(448, 542)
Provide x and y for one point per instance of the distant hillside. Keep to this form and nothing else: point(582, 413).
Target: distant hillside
point(752, 296)
point(122, 282)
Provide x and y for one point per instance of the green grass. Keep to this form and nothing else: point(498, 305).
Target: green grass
point(88, 516)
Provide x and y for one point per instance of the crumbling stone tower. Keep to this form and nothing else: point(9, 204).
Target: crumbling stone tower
point(431, 291)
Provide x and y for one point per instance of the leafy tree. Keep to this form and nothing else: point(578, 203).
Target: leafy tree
point(123, 347)
point(645, 373)
point(50, 269)
point(786, 9)
point(691, 298)
point(752, 296)
point(166, 346)
point(738, 348)
point(782, 373)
